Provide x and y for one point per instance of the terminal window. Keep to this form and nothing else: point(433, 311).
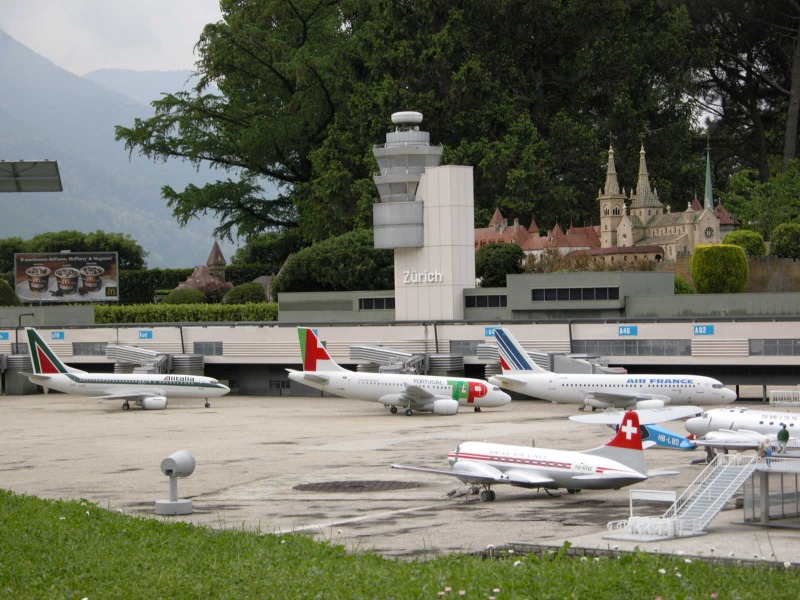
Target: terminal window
point(630, 347)
point(376, 304)
point(208, 348)
point(89, 348)
point(563, 294)
point(775, 347)
point(486, 301)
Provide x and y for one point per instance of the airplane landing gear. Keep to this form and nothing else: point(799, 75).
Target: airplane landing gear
point(477, 409)
point(393, 410)
point(572, 490)
point(487, 495)
point(409, 412)
point(208, 404)
point(125, 405)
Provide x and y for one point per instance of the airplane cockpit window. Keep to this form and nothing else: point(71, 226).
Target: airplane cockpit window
point(717, 386)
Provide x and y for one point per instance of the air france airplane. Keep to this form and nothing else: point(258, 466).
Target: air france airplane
point(522, 375)
point(146, 390)
point(429, 393)
point(618, 463)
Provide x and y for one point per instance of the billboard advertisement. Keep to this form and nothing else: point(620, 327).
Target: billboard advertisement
point(67, 277)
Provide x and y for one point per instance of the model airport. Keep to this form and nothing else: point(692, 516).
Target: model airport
point(531, 422)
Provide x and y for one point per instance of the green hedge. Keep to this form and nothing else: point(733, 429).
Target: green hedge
point(720, 269)
point(185, 313)
point(139, 286)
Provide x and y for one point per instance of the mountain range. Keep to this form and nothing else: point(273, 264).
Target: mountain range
point(47, 112)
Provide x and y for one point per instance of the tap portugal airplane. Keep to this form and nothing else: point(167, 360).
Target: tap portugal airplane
point(618, 463)
point(148, 391)
point(428, 393)
point(522, 375)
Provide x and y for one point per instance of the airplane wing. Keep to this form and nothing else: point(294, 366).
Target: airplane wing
point(506, 379)
point(464, 475)
point(647, 416)
point(416, 393)
point(133, 395)
point(472, 473)
point(315, 377)
point(625, 399)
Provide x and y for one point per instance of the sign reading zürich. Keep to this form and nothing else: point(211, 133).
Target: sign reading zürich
point(422, 276)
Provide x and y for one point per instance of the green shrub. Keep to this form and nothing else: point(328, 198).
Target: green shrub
point(751, 241)
point(186, 313)
point(786, 241)
point(246, 292)
point(682, 286)
point(185, 296)
point(139, 286)
point(720, 269)
point(494, 261)
point(8, 297)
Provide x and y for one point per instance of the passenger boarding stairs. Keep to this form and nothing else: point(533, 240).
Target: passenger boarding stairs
point(692, 512)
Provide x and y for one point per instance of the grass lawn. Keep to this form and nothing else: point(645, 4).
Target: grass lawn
point(51, 549)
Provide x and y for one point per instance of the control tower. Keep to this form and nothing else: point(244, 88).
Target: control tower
point(426, 215)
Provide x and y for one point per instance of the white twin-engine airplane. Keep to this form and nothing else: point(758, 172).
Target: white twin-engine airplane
point(522, 375)
point(430, 393)
point(148, 391)
point(741, 428)
point(618, 463)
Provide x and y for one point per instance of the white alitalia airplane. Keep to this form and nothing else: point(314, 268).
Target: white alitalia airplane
point(522, 375)
point(741, 428)
point(481, 465)
point(429, 393)
point(148, 391)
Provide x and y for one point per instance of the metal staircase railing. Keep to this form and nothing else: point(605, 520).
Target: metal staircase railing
point(699, 503)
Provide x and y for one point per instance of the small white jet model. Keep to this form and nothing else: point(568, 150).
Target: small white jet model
point(618, 463)
point(148, 391)
point(741, 428)
point(522, 375)
point(430, 393)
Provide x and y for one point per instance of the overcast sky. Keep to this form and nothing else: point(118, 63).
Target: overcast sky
point(83, 35)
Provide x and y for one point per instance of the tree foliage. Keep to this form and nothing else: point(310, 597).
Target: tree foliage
point(347, 262)
point(751, 241)
point(269, 250)
point(8, 297)
point(786, 241)
point(764, 205)
point(526, 92)
point(682, 286)
point(244, 293)
point(185, 296)
point(494, 261)
point(720, 269)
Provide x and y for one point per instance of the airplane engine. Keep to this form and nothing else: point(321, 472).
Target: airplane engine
point(595, 403)
point(444, 406)
point(154, 403)
point(650, 404)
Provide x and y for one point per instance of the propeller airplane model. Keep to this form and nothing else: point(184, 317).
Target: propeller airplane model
point(482, 465)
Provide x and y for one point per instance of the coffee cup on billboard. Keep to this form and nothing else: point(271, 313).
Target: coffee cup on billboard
point(67, 278)
point(91, 275)
point(38, 278)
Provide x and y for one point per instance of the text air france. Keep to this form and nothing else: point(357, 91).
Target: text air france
point(661, 380)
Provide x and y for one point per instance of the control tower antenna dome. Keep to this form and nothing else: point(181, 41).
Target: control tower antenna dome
point(407, 119)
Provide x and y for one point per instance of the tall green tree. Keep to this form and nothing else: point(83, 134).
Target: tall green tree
point(494, 261)
point(526, 92)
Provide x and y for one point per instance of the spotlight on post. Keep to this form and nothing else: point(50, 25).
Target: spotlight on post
point(178, 464)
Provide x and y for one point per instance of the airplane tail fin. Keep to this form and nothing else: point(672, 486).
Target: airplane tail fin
point(43, 360)
point(315, 356)
point(513, 357)
point(626, 445)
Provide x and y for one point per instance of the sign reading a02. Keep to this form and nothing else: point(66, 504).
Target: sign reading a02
point(704, 330)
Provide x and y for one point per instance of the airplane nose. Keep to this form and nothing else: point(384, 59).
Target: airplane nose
point(697, 426)
point(505, 398)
